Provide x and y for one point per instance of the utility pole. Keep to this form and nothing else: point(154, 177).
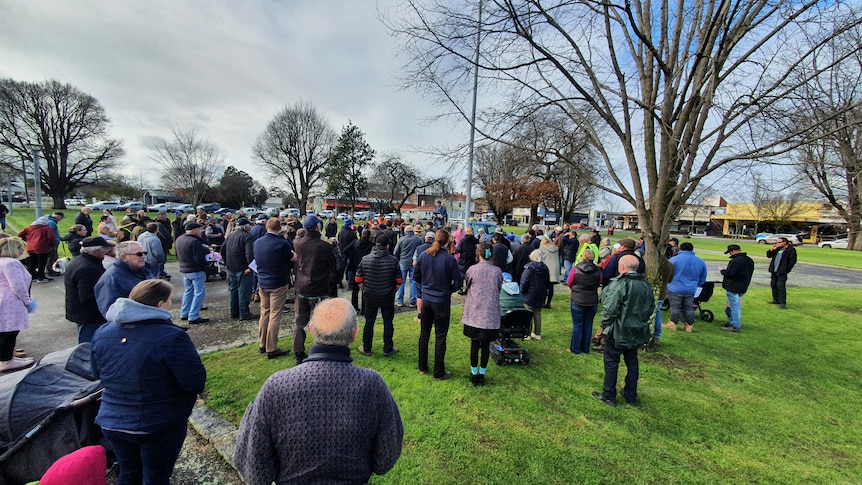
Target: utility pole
point(473, 119)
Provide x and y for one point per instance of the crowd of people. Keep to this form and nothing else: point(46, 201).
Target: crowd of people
point(116, 292)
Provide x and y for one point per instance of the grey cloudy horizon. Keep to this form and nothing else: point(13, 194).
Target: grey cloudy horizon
point(224, 68)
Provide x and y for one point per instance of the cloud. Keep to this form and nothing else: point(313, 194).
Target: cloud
point(223, 67)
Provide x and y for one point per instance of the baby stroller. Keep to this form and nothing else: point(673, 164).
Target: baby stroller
point(214, 267)
point(702, 295)
point(48, 411)
point(514, 324)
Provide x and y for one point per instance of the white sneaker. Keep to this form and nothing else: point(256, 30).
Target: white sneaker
point(15, 364)
point(535, 337)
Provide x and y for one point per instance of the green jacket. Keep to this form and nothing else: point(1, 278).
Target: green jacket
point(627, 304)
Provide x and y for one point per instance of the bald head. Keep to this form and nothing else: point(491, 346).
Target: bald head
point(628, 264)
point(333, 322)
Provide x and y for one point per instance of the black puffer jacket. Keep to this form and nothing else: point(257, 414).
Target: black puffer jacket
point(380, 276)
point(191, 253)
point(585, 279)
point(80, 278)
point(467, 250)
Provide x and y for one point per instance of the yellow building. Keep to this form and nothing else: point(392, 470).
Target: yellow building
point(745, 219)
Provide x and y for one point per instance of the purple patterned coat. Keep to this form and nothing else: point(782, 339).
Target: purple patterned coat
point(482, 305)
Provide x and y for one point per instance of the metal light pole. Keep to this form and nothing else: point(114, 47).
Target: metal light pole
point(9, 189)
point(473, 120)
point(37, 178)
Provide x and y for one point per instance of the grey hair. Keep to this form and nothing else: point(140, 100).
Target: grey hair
point(341, 336)
point(588, 255)
point(536, 256)
point(123, 248)
point(92, 250)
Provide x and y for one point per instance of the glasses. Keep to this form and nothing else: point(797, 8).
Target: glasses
point(142, 253)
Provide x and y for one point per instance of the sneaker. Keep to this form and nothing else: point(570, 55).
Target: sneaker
point(731, 329)
point(535, 337)
point(391, 352)
point(198, 321)
point(726, 325)
point(669, 326)
point(399, 304)
point(411, 305)
point(689, 328)
point(15, 364)
point(362, 351)
point(445, 376)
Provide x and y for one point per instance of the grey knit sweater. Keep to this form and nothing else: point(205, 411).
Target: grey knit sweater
point(324, 421)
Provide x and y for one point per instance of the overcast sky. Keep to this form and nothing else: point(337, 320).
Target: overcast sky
point(224, 67)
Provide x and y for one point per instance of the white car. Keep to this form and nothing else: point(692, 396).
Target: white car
point(249, 211)
point(342, 216)
point(769, 238)
point(75, 202)
point(327, 213)
point(104, 204)
point(135, 206)
point(839, 243)
point(363, 215)
point(290, 211)
point(391, 216)
point(184, 208)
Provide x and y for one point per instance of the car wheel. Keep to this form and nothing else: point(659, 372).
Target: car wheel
point(762, 241)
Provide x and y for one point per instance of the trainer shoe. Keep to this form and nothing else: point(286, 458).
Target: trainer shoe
point(689, 328)
point(731, 329)
point(15, 363)
point(534, 337)
point(725, 325)
point(669, 326)
point(277, 353)
point(446, 375)
point(362, 351)
point(391, 352)
point(399, 304)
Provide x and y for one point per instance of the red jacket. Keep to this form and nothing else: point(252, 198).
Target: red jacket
point(40, 238)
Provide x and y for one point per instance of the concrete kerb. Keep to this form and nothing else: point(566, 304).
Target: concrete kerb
point(219, 432)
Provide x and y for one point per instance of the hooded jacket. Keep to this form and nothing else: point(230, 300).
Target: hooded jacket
point(534, 283)
point(117, 281)
point(510, 297)
point(39, 236)
point(151, 371)
point(737, 275)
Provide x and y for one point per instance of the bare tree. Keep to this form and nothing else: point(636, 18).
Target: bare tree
point(831, 158)
point(191, 165)
point(295, 147)
point(675, 85)
point(399, 180)
point(70, 128)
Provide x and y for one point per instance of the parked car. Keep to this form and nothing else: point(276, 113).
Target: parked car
point(363, 215)
point(391, 216)
point(770, 238)
point(104, 204)
point(157, 207)
point(249, 211)
point(838, 243)
point(290, 211)
point(75, 202)
point(209, 207)
point(272, 211)
point(342, 216)
point(184, 208)
point(326, 214)
point(223, 211)
point(135, 206)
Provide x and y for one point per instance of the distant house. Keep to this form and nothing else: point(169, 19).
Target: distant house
point(153, 197)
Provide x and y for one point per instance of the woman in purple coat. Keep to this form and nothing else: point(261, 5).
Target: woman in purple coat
point(481, 315)
point(15, 302)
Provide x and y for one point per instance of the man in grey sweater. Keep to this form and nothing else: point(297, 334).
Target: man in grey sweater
point(325, 420)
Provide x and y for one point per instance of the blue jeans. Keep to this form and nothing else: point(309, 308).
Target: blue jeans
point(147, 458)
point(681, 305)
point(734, 300)
point(582, 328)
point(193, 296)
point(239, 285)
point(568, 265)
point(657, 333)
point(406, 270)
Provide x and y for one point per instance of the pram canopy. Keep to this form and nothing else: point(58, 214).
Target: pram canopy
point(41, 411)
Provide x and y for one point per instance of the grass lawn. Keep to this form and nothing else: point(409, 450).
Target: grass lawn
point(777, 403)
